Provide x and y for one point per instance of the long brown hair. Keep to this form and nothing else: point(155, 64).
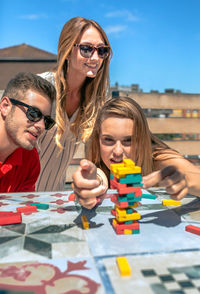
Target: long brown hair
point(94, 90)
point(143, 142)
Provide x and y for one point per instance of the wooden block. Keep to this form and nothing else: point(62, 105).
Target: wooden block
point(148, 196)
point(123, 266)
point(27, 209)
point(40, 205)
point(85, 222)
point(171, 202)
point(9, 219)
point(193, 229)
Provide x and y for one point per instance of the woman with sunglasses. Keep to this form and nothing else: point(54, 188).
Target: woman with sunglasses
point(121, 131)
point(82, 80)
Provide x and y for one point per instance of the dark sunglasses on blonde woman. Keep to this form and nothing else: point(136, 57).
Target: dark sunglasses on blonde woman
point(87, 51)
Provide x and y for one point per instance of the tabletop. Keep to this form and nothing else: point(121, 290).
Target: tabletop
point(51, 252)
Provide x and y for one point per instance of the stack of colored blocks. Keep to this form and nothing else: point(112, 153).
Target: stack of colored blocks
point(126, 178)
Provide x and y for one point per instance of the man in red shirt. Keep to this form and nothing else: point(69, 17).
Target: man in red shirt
point(25, 109)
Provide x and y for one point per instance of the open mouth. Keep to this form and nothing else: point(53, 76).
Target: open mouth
point(116, 161)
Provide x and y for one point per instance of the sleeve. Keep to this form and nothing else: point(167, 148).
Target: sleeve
point(32, 171)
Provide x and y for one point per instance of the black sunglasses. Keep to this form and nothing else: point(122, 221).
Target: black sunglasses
point(34, 114)
point(87, 51)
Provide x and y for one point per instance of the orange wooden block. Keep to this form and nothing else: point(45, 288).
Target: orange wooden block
point(26, 209)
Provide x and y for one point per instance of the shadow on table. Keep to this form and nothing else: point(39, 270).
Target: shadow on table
point(89, 213)
point(171, 217)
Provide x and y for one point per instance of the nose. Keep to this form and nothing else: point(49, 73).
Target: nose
point(118, 149)
point(95, 55)
point(40, 125)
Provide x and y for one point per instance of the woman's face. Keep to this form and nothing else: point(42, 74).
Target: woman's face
point(86, 67)
point(115, 139)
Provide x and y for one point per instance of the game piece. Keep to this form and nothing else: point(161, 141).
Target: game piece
point(40, 205)
point(10, 218)
point(27, 209)
point(126, 179)
point(171, 202)
point(193, 229)
point(123, 265)
point(72, 197)
point(85, 222)
point(148, 196)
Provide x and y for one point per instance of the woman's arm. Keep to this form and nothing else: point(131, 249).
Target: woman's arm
point(175, 173)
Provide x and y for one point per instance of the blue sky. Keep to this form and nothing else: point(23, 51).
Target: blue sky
point(156, 43)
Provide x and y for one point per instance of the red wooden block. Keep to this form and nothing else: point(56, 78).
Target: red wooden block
point(113, 212)
point(119, 204)
point(122, 226)
point(193, 229)
point(116, 184)
point(14, 218)
point(25, 209)
point(127, 190)
point(72, 197)
point(3, 213)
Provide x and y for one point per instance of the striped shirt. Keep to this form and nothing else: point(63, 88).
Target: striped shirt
point(54, 162)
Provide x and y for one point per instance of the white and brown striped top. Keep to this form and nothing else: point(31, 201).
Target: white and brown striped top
point(53, 161)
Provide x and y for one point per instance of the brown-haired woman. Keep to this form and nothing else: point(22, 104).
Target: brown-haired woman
point(121, 131)
point(82, 80)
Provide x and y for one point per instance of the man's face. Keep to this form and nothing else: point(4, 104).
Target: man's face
point(20, 130)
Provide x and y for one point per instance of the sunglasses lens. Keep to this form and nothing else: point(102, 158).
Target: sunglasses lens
point(49, 122)
point(34, 114)
point(86, 50)
point(103, 51)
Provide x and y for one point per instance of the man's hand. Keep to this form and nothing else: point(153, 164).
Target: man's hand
point(86, 184)
point(171, 179)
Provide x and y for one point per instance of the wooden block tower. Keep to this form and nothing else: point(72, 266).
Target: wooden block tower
point(126, 178)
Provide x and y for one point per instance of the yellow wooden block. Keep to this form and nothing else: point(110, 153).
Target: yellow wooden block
point(128, 162)
point(127, 232)
point(85, 222)
point(128, 217)
point(171, 202)
point(114, 167)
point(123, 265)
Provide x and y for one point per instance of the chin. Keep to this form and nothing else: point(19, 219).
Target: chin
point(91, 74)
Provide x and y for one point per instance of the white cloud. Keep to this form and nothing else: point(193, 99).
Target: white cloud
point(115, 29)
point(127, 15)
point(33, 16)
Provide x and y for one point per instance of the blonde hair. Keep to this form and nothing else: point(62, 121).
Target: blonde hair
point(94, 90)
point(143, 142)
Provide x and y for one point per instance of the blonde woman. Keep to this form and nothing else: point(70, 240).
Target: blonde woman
point(121, 131)
point(82, 80)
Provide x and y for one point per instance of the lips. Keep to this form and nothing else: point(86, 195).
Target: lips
point(34, 134)
point(91, 66)
point(116, 161)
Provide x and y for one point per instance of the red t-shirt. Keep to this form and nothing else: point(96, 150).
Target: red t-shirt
point(20, 171)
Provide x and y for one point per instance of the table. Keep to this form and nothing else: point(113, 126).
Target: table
point(50, 252)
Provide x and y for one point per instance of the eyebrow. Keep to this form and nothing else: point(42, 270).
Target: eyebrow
point(89, 43)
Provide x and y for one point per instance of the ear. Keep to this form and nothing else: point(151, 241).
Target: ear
point(5, 106)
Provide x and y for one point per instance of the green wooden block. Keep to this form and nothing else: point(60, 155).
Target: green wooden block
point(131, 179)
point(128, 222)
point(111, 176)
point(41, 205)
point(148, 196)
point(135, 232)
point(129, 210)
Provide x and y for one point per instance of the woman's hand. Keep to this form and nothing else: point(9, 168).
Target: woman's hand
point(172, 179)
point(86, 185)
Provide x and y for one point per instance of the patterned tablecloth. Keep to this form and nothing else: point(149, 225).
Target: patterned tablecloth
point(50, 252)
